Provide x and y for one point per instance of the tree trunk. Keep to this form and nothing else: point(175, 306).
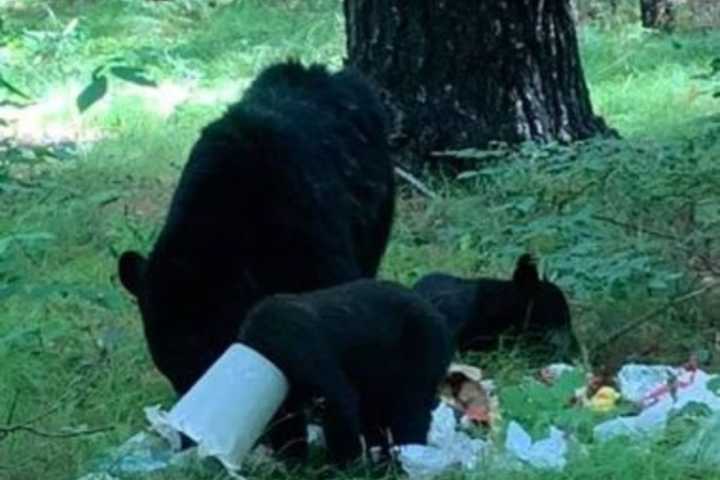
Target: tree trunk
point(574, 12)
point(657, 14)
point(462, 74)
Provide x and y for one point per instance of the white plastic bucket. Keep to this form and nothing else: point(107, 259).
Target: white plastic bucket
point(227, 410)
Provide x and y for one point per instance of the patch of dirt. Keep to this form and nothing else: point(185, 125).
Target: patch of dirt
point(143, 198)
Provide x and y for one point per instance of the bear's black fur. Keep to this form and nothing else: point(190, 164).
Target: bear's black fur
point(291, 190)
point(479, 311)
point(375, 351)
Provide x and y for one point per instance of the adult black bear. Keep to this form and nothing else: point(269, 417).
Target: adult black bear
point(479, 311)
point(375, 351)
point(291, 190)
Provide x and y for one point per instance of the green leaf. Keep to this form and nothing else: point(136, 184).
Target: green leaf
point(536, 406)
point(4, 244)
point(7, 292)
point(8, 86)
point(714, 385)
point(92, 93)
point(133, 75)
point(96, 73)
point(525, 205)
point(466, 242)
point(658, 284)
point(715, 65)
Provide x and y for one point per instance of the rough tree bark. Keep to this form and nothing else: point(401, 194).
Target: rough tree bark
point(461, 74)
point(657, 14)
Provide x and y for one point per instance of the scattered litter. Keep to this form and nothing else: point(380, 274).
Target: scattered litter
point(424, 462)
point(445, 435)
point(637, 381)
point(599, 393)
point(464, 390)
point(447, 448)
point(552, 372)
point(225, 413)
point(604, 399)
point(469, 371)
point(548, 453)
point(660, 390)
point(229, 395)
point(142, 453)
point(650, 421)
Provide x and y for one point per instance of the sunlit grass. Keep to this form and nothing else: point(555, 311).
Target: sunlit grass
point(645, 84)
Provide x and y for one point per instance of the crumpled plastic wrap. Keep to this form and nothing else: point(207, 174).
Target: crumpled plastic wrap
point(144, 452)
point(555, 370)
point(548, 453)
point(638, 381)
point(447, 448)
point(650, 421)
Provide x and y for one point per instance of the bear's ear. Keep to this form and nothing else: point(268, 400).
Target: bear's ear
point(131, 268)
point(526, 276)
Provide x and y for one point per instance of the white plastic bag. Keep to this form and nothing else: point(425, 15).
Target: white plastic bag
point(447, 448)
point(548, 453)
point(644, 384)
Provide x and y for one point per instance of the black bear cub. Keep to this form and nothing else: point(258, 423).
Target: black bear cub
point(290, 190)
point(374, 350)
point(479, 311)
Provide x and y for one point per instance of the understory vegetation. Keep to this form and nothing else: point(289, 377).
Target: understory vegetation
point(630, 227)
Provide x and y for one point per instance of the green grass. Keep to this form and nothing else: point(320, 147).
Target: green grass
point(643, 83)
point(622, 225)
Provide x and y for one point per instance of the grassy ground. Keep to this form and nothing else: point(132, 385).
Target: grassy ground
point(628, 227)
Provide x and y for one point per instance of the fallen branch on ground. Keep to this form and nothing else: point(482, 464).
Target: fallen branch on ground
point(26, 425)
point(639, 228)
point(417, 184)
point(9, 429)
point(653, 313)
